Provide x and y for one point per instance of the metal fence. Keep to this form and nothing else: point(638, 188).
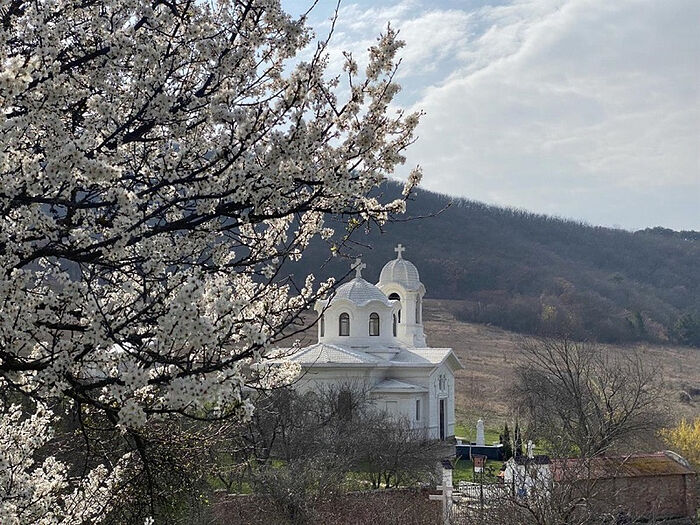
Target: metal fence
point(469, 493)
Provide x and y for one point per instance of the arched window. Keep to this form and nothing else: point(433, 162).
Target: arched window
point(418, 311)
point(344, 324)
point(322, 324)
point(394, 325)
point(374, 323)
point(396, 297)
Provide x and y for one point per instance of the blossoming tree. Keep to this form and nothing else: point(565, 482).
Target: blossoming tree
point(159, 162)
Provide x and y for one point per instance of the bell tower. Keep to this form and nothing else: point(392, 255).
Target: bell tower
point(399, 280)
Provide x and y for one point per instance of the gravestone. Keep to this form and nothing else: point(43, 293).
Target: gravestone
point(480, 432)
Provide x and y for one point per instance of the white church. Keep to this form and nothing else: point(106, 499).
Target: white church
point(373, 335)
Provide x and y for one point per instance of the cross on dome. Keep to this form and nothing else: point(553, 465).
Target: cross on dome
point(358, 266)
point(399, 250)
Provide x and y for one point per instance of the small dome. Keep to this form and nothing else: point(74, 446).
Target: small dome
point(360, 292)
point(402, 272)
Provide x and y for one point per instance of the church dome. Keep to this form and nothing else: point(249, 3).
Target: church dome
point(360, 292)
point(400, 271)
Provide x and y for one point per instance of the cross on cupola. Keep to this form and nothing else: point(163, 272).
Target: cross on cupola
point(399, 250)
point(358, 266)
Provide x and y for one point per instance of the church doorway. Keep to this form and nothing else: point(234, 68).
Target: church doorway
point(442, 420)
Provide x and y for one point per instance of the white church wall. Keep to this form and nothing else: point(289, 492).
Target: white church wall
point(359, 324)
point(414, 375)
point(442, 383)
point(420, 377)
point(400, 403)
point(324, 377)
point(433, 414)
point(395, 404)
point(403, 405)
point(422, 421)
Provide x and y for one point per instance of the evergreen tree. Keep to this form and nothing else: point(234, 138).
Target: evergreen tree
point(518, 441)
point(507, 444)
point(687, 329)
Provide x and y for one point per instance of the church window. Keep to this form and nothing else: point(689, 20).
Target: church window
point(417, 409)
point(394, 325)
point(344, 324)
point(396, 297)
point(373, 323)
point(418, 311)
point(322, 324)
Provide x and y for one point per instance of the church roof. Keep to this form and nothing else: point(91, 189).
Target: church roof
point(394, 385)
point(324, 353)
point(422, 356)
point(400, 271)
point(360, 292)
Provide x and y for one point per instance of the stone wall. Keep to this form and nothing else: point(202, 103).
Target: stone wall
point(667, 496)
point(388, 507)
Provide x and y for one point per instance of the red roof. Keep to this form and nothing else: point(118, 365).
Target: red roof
point(635, 465)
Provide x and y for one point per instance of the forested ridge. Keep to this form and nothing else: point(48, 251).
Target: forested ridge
point(534, 273)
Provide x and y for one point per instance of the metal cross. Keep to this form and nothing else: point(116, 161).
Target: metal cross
point(399, 249)
point(358, 266)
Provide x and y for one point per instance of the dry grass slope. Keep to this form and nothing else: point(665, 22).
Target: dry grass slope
point(490, 354)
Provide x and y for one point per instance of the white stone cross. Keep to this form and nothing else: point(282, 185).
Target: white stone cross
point(399, 250)
point(358, 266)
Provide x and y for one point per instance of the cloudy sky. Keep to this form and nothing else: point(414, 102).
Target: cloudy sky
point(588, 109)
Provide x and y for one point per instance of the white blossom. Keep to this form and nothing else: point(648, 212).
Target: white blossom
point(159, 164)
point(41, 493)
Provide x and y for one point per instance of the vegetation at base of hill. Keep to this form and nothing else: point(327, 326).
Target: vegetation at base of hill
point(582, 399)
point(684, 439)
point(537, 274)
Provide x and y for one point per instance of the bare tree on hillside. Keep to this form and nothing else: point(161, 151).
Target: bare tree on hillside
point(577, 399)
point(584, 399)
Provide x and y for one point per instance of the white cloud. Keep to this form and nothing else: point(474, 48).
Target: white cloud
point(581, 108)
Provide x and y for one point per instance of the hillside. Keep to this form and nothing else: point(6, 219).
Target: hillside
point(532, 273)
point(489, 356)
